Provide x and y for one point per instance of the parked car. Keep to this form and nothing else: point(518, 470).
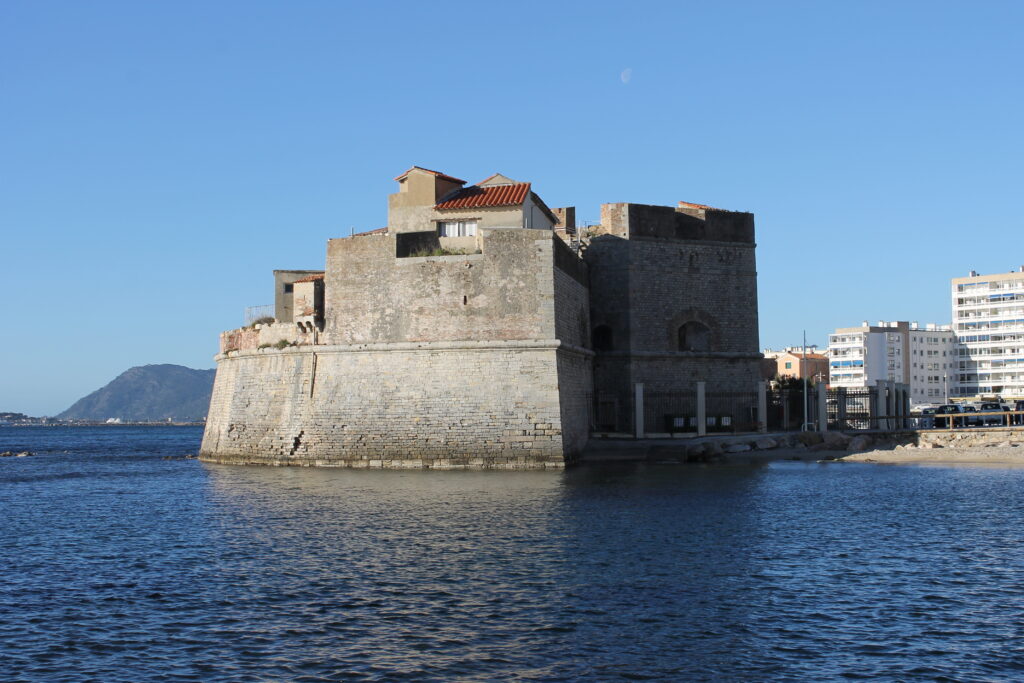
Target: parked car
point(924, 418)
point(970, 418)
point(949, 409)
point(991, 414)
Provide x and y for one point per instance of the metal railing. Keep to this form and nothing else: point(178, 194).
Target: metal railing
point(688, 409)
point(692, 410)
point(254, 313)
point(946, 421)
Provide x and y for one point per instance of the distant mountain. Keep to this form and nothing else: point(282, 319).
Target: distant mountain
point(148, 392)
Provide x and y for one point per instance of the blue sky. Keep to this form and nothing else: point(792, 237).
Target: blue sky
point(159, 160)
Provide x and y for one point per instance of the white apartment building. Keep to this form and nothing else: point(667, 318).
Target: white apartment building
point(932, 362)
point(988, 318)
point(900, 351)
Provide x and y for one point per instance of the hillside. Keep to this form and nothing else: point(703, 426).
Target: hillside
point(148, 392)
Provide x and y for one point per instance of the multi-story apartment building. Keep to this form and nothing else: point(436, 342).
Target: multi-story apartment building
point(860, 356)
point(988, 318)
point(900, 351)
point(931, 363)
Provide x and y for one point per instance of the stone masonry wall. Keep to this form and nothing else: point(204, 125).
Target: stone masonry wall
point(676, 281)
point(260, 335)
point(572, 297)
point(652, 269)
point(576, 390)
point(504, 293)
point(456, 405)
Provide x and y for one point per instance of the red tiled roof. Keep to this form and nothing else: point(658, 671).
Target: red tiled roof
point(691, 205)
point(445, 176)
point(310, 278)
point(475, 196)
point(378, 231)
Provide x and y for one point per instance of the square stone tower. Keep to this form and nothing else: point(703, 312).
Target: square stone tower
point(673, 294)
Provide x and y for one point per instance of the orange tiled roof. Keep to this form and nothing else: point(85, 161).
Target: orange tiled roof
point(691, 205)
point(475, 196)
point(437, 173)
point(310, 278)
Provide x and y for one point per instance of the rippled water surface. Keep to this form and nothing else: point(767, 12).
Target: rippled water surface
point(119, 565)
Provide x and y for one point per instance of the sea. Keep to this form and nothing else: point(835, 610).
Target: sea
point(123, 561)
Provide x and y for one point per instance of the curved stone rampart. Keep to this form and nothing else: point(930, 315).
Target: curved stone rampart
point(431, 405)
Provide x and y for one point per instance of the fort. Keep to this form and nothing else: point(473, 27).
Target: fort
point(482, 329)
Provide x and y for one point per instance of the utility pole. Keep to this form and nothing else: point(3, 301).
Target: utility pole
point(803, 374)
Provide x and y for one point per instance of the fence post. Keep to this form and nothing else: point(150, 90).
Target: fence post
point(877, 407)
point(762, 406)
point(890, 404)
point(822, 408)
point(702, 418)
point(841, 408)
point(905, 412)
point(638, 409)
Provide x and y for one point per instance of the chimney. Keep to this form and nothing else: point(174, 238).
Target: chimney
point(974, 273)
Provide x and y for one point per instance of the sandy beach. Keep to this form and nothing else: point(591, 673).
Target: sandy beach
point(975, 455)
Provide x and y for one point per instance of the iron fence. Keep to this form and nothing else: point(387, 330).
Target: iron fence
point(731, 411)
point(254, 313)
point(674, 412)
point(852, 408)
point(670, 412)
point(786, 408)
point(612, 412)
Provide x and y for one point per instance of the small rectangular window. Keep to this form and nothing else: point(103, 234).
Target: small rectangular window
point(288, 288)
point(456, 228)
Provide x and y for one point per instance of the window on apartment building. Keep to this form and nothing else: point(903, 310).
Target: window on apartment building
point(456, 228)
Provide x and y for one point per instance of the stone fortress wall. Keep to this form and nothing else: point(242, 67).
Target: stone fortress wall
point(491, 356)
point(389, 405)
point(437, 361)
